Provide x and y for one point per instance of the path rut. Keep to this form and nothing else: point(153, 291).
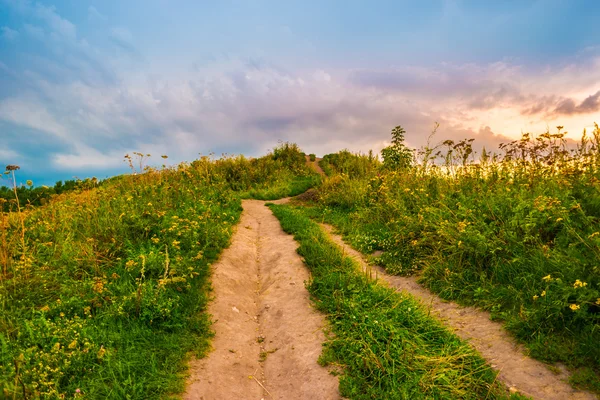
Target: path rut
point(516, 370)
point(268, 337)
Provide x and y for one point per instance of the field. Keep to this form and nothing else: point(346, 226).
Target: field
point(515, 233)
point(104, 287)
point(102, 290)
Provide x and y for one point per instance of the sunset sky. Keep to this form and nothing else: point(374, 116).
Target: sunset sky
point(82, 82)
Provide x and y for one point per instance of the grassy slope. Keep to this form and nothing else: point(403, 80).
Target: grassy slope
point(521, 242)
point(387, 345)
point(104, 292)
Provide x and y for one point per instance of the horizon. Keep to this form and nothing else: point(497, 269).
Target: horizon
point(82, 83)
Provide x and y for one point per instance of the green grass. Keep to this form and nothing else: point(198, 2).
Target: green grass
point(283, 188)
point(386, 344)
point(516, 236)
point(105, 290)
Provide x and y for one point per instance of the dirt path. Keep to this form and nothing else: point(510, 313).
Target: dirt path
point(267, 336)
point(517, 371)
point(315, 165)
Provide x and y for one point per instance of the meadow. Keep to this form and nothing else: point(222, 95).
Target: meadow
point(104, 285)
point(103, 288)
point(514, 232)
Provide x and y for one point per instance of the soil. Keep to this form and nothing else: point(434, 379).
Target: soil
point(517, 371)
point(315, 165)
point(268, 338)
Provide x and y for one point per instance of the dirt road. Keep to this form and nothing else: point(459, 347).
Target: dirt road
point(267, 335)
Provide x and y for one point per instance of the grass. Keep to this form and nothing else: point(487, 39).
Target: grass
point(386, 344)
point(514, 234)
point(103, 290)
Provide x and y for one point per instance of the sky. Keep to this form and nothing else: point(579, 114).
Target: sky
point(82, 83)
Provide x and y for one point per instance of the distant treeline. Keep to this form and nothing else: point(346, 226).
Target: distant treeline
point(36, 196)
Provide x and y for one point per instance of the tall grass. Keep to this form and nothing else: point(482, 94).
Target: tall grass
point(108, 297)
point(515, 233)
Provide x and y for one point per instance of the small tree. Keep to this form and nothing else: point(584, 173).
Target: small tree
point(397, 156)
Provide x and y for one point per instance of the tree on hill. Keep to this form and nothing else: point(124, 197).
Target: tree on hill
point(397, 155)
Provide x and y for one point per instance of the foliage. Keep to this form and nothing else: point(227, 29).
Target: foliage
point(312, 157)
point(515, 233)
point(103, 290)
point(36, 196)
point(386, 343)
point(397, 155)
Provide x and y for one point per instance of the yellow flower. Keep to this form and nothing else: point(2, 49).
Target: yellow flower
point(73, 344)
point(547, 278)
point(536, 297)
point(558, 219)
point(574, 307)
point(598, 301)
point(155, 240)
point(543, 293)
point(579, 284)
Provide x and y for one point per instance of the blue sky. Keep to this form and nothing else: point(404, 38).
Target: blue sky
point(84, 82)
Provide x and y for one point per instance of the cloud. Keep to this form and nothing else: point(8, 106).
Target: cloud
point(35, 32)
point(557, 106)
point(58, 25)
point(95, 15)
point(95, 103)
point(122, 37)
point(8, 33)
point(32, 115)
point(85, 157)
point(568, 106)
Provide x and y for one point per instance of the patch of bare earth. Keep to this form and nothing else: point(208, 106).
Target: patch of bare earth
point(517, 371)
point(315, 165)
point(268, 337)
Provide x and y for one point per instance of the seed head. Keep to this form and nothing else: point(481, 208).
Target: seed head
point(12, 167)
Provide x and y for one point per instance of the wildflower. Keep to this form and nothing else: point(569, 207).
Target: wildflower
point(558, 219)
point(547, 278)
point(598, 301)
point(579, 284)
point(149, 204)
point(155, 240)
point(574, 307)
point(594, 235)
point(536, 297)
point(543, 294)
